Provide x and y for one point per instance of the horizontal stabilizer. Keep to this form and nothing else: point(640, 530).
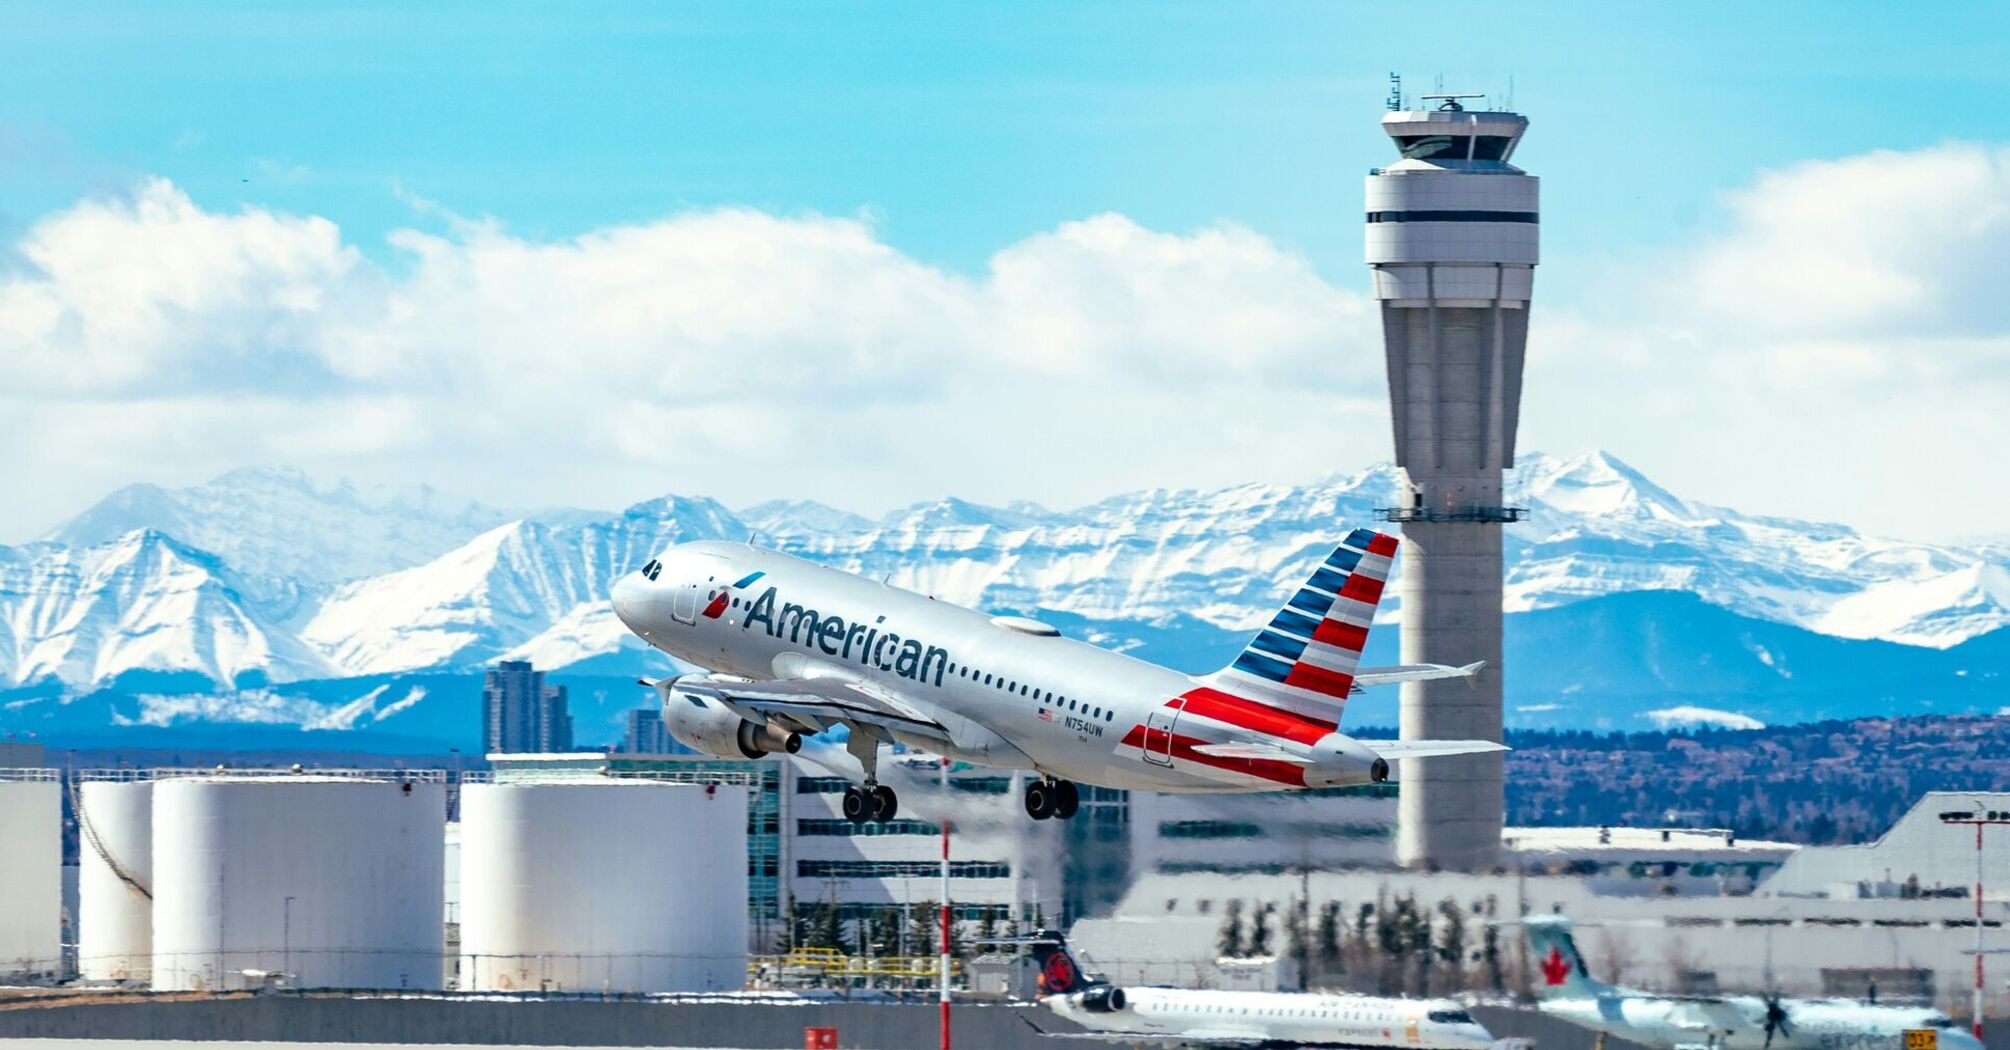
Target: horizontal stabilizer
point(1396, 750)
point(1253, 753)
point(1372, 676)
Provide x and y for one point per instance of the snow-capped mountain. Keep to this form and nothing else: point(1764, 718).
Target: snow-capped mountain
point(143, 602)
point(1596, 527)
point(277, 522)
point(441, 585)
point(520, 589)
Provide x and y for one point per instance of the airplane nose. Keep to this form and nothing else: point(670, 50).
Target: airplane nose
point(627, 597)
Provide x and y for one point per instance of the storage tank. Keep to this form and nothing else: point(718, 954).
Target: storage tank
point(114, 810)
point(333, 879)
point(31, 872)
point(603, 885)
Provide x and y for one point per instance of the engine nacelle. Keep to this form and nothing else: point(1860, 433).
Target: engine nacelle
point(1341, 761)
point(704, 724)
point(1104, 999)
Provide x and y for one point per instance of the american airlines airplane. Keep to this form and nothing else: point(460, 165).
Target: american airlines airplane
point(1191, 1016)
point(1723, 1022)
point(795, 648)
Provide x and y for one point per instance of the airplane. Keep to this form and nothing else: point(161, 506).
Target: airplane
point(1208, 1017)
point(1721, 1022)
point(795, 648)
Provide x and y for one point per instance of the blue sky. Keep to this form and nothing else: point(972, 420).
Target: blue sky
point(955, 136)
point(964, 126)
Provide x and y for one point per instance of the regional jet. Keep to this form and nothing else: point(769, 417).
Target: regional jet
point(793, 648)
point(1724, 1022)
point(1214, 1018)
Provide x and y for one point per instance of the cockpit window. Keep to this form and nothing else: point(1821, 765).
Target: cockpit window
point(1450, 1016)
point(1940, 1021)
point(652, 570)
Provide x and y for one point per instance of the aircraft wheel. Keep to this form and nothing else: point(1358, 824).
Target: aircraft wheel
point(1040, 800)
point(857, 807)
point(1067, 799)
point(884, 803)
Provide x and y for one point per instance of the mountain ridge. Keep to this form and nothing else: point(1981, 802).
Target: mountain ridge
point(1170, 572)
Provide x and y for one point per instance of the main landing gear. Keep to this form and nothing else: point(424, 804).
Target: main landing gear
point(872, 801)
point(1048, 797)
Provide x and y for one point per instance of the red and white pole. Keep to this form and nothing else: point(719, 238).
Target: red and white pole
point(1978, 927)
point(1981, 818)
point(942, 963)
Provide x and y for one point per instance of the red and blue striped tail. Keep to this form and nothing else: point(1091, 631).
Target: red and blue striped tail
point(1304, 660)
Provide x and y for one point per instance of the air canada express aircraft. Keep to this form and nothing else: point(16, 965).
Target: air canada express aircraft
point(795, 648)
point(1724, 1022)
point(1198, 1017)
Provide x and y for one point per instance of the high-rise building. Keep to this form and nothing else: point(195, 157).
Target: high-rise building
point(646, 735)
point(523, 715)
point(1452, 238)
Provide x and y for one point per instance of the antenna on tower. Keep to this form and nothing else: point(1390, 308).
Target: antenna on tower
point(1510, 99)
point(1395, 92)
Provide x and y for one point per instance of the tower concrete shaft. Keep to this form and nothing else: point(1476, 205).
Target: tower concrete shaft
point(1452, 237)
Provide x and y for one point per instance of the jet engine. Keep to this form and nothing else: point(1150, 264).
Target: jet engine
point(1103, 999)
point(705, 724)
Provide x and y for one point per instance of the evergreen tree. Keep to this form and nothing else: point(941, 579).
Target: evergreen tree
point(987, 926)
point(1228, 943)
point(1452, 942)
point(923, 937)
point(1364, 918)
point(1328, 939)
point(1490, 950)
point(1416, 934)
point(1389, 930)
point(1297, 940)
point(831, 926)
point(1259, 930)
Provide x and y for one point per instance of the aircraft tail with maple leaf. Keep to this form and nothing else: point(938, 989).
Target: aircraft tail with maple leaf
point(1560, 972)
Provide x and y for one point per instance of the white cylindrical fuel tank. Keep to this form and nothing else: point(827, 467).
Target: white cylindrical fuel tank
point(603, 885)
point(115, 879)
point(31, 872)
point(334, 880)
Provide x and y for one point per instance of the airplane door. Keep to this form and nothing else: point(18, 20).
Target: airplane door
point(684, 603)
point(700, 576)
point(1159, 732)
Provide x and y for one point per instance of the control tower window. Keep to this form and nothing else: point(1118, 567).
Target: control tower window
point(1454, 147)
point(1432, 147)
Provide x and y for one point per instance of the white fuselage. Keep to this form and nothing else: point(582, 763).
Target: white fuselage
point(1284, 1017)
point(1739, 1023)
point(1008, 695)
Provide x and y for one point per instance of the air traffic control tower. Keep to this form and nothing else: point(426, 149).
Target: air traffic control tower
point(1452, 240)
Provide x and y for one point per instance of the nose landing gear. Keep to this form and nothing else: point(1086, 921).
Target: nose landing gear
point(1048, 797)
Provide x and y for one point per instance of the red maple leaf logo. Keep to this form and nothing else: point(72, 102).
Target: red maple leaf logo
point(1059, 974)
point(1554, 969)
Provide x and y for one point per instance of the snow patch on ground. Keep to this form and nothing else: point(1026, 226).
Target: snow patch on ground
point(1688, 716)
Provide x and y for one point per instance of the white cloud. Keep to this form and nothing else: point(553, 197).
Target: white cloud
point(1841, 351)
point(1837, 350)
point(728, 351)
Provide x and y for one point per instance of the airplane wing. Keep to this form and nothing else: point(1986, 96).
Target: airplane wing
point(1704, 1014)
point(1395, 750)
point(812, 704)
point(1373, 676)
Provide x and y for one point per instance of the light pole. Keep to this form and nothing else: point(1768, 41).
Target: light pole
point(1981, 818)
point(286, 949)
point(942, 963)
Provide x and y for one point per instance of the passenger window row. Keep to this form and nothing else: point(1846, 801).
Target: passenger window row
point(1044, 696)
